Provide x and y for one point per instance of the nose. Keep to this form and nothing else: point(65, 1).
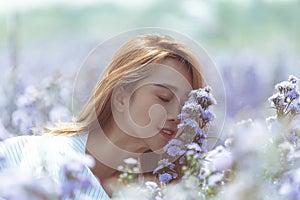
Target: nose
point(173, 113)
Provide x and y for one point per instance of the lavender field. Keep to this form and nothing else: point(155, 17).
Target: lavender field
point(255, 49)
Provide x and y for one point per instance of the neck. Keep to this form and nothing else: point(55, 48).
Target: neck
point(110, 147)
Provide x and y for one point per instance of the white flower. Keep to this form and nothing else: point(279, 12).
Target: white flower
point(251, 137)
point(219, 159)
point(132, 192)
point(120, 168)
point(194, 146)
point(151, 184)
point(130, 161)
point(229, 142)
point(215, 179)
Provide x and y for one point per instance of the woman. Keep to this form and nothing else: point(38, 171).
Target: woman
point(132, 111)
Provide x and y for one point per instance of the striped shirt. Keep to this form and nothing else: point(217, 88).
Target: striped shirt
point(32, 152)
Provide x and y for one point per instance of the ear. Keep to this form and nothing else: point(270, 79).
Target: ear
point(120, 98)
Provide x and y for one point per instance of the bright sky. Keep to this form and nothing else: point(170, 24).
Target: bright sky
point(7, 6)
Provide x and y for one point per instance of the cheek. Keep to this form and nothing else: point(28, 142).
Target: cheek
point(138, 111)
point(146, 112)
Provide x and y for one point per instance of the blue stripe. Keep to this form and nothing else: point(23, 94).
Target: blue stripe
point(13, 147)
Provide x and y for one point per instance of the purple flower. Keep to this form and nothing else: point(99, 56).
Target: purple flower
point(182, 160)
point(203, 144)
point(277, 100)
point(200, 132)
point(203, 97)
point(72, 169)
point(285, 86)
point(194, 146)
point(194, 116)
point(189, 109)
point(2, 159)
point(175, 147)
point(175, 151)
point(293, 79)
point(70, 186)
point(207, 116)
point(175, 142)
point(295, 109)
point(183, 116)
point(189, 122)
point(29, 97)
point(286, 100)
point(164, 163)
point(165, 177)
point(293, 94)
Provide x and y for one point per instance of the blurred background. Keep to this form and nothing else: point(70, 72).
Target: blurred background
point(254, 44)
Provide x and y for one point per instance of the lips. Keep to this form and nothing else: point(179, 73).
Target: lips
point(167, 133)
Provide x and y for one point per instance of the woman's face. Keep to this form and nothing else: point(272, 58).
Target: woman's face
point(155, 103)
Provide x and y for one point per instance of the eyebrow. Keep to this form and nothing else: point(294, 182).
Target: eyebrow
point(167, 86)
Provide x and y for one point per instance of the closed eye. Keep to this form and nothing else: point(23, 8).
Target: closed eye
point(164, 99)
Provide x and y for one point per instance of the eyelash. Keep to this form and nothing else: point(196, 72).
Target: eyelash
point(164, 99)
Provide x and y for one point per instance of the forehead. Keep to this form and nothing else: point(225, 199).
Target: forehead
point(172, 73)
point(179, 66)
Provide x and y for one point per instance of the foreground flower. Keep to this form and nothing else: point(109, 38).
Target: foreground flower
point(72, 169)
point(260, 159)
point(23, 185)
point(267, 155)
point(286, 100)
point(128, 172)
point(42, 182)
point(165, 178)
point(189, 152)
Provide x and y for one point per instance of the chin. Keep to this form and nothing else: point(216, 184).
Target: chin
point(156, 143)
point(158, 148)
point(159, 151)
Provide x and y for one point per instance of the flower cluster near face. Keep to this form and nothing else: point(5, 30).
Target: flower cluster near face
point(258, 160)
point(189, 150)
point(187, 160)
point(195, 119)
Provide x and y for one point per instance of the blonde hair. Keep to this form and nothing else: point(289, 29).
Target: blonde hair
point(127, 67)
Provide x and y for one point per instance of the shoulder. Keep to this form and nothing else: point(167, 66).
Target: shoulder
point(14, 141)
point(11, 150)
point(55, 157)
point(31, 149)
